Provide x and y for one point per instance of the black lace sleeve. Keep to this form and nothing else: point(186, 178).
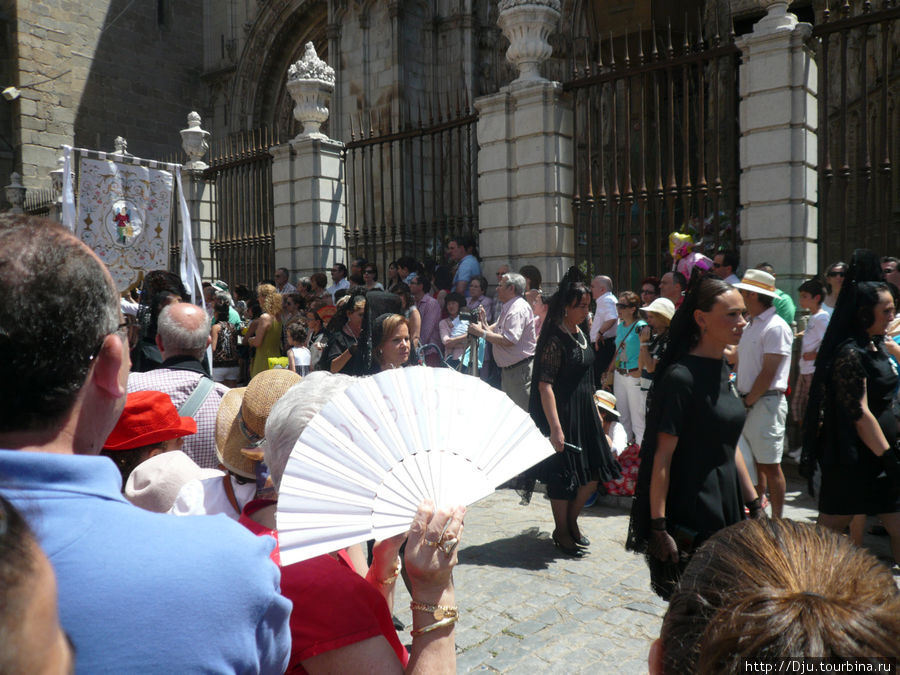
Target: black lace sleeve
point(849, 378)
point(551, 360)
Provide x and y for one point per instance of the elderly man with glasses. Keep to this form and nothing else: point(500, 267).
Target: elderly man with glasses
point(513, 338)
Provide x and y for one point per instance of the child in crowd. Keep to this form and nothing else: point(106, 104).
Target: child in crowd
point(149, 425)
point(812, 294)
point(298, 354)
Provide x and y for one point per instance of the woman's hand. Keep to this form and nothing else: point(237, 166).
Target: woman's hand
point(431, 550)
point(662, 546)
point(557, 439)
point(645, 333)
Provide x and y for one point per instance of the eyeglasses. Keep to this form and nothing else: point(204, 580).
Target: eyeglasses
point(835, 274)
point(648, 291)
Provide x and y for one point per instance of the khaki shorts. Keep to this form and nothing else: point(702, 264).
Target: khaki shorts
point(763, 432)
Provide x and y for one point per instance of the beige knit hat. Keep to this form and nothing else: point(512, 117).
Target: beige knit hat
point(241, 421)
point(155, 483)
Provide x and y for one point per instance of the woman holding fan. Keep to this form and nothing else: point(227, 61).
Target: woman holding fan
point(562, 406)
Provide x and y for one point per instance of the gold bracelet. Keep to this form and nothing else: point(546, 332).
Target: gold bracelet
point(396, 573)
point(437, 611)
point(449, 621)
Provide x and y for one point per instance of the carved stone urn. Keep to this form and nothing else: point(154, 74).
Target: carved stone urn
point(15, 193)
point(527, 24)
point(310, 83)
point(195, 142)
point(777, 17)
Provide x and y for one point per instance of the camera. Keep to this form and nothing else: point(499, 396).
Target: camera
point(470, 315)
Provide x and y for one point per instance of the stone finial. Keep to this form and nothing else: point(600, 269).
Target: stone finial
point(15, 193)
point(311, 67)
point(777, 17)
point(195, 142)
point(310, 83)
point(56, 177)
point(527, 24)
point(121, 146)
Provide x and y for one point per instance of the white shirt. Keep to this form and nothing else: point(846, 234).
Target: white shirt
point(207, 497)
point(812, 338)
point(339, 286)
point(287, 288)
point(619, 438)
point(767, 334)
point(606, 310)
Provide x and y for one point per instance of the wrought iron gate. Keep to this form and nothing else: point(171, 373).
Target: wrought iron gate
point(243, 236)
point(411, 185)
point(859, 128)
point(656, 141)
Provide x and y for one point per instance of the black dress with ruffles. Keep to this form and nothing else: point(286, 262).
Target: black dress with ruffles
point(853, 479)
point(568, 367)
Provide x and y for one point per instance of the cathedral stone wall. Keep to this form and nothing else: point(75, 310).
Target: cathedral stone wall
point(115, 68)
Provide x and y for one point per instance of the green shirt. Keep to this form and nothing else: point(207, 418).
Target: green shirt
point(784, 306)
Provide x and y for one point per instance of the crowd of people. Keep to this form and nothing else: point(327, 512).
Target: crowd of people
point(119, 442)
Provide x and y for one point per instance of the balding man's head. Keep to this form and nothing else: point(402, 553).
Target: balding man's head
point(183, 331)
point(601, 284)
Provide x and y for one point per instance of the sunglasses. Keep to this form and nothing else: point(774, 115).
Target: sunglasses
point(624, 306)
point(647, 292)
point(835, 274)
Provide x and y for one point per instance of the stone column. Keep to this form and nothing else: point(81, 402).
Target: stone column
point(308, 177)
point(778, 147)
point(525, 161)
point(200, 195)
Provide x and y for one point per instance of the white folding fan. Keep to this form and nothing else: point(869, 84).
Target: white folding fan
point(364, 464)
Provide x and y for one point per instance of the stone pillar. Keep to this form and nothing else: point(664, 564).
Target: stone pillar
point(308, 177)
point(525, 160)
point(200, 195)
point(778, 147)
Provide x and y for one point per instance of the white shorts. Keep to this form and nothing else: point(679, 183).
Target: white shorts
point(227, 373)
point(763, 432)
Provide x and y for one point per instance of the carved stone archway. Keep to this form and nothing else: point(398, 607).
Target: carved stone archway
point(277, 38)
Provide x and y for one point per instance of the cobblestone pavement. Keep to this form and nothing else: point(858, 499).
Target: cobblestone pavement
point(527, 608)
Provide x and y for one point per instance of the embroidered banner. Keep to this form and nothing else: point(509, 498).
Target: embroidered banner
point(123, 215)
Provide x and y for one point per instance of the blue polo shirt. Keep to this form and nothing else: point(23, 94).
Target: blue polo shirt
point(148, 592)
point(467, 269)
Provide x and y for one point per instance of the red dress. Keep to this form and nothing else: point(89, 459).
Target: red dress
point(333, 605)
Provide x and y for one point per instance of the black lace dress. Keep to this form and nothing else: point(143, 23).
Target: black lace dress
point(853, 480)
point(566, 363)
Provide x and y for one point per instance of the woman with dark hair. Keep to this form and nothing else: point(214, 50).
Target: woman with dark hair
point(224, 345)
point(692, 481)
point(834, 281)
point(624, 369)
point(318, 336)
point(409, 311)
point(454, 331)
point(532, 277)
point(849, 427)
point(345, 327)
point(562, 406)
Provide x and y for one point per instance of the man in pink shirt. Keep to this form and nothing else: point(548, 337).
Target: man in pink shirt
point(513, 338)
point(429, 310)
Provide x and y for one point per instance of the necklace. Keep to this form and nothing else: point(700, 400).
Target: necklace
point(581, 340)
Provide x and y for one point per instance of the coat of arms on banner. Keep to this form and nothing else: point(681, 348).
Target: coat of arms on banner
point(123, 215)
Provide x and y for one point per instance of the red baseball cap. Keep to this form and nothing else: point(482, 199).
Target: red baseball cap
point(149, 417)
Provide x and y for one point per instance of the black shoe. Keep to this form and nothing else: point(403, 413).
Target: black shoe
point(573, 551)
point(583, 542)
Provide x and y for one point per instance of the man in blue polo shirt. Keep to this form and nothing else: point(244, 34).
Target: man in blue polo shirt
point(138, 591)
point(460, 250)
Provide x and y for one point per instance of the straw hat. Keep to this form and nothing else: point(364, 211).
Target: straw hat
point(241, 421)
point(758, 281)
point(149, 417)
point(662, 306)
point(606, 401)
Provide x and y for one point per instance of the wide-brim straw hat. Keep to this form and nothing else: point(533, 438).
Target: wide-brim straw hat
point(758, 281)
point(241, 421)
point(606, 400)
point(662, 306)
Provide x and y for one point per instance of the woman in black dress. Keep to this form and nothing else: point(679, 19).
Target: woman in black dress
point(692, 481)
point(562, 406)
point(854, 432)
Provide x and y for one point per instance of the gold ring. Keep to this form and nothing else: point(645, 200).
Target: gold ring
point(433, 544)
point(448, 544)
